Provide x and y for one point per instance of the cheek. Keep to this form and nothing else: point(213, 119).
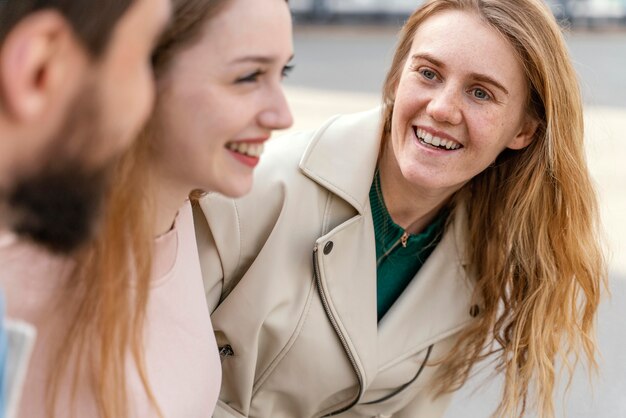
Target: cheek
point(144, 94)
point(193, 130)
point(236, 116)
point(124, 107)
point(406, 97)
point(411, 102)
point(131, 98)
point(484, 127)
point(495, 134)
point(186, 112)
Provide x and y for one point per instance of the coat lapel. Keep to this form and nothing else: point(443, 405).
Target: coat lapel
point(342, 156)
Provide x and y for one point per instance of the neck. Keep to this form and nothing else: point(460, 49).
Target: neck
point(170, 195)
point(410, 206)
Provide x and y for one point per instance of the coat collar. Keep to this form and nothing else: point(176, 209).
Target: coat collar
point(346, 144)
point(342, 157)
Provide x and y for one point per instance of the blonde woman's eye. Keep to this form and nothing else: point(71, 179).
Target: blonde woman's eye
point(428, 74)
point(480, 94)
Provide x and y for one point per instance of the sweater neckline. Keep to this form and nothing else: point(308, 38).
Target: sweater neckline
point(389, 233)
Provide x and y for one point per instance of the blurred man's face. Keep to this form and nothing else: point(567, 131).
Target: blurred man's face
point(123, 79)
point(57, 203)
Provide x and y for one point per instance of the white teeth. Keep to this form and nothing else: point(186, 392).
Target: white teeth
point(249, 149)
point(436, 141)
point(256, 150)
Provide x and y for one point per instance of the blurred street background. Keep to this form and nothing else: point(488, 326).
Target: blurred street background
point(343, 49)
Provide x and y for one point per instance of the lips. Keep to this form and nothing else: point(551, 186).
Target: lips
point(247, 151)
point(445, 144)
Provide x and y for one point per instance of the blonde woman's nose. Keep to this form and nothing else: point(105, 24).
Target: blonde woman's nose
point(445, 106)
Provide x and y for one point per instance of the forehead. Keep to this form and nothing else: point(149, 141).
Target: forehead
point(262, 27)
point(463, 40)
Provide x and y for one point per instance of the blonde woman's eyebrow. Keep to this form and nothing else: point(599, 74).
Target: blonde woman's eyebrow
point(486, 79)
point(476, 76)
point(428, 58)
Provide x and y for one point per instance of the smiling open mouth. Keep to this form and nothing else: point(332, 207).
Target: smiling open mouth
point(246, 148)
point(434, 141)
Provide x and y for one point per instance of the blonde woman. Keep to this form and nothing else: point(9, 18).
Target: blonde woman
point(124, 330)
point(379, 258)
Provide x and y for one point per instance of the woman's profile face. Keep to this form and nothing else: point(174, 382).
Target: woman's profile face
point(222, 97)
point(460, 102)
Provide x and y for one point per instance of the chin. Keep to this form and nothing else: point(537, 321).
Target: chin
point(417, 179)
point(235, 190)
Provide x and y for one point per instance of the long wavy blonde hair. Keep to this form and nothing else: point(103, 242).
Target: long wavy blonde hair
point(110, 285)
point(533, 243)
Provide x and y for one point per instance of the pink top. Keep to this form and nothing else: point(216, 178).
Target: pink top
point(181, 355)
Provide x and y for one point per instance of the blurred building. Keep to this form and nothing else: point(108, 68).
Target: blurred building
point(576, 11)
point(594, 9)
point(338, 7)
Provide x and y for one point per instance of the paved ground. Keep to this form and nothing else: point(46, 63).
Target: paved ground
point(340, 70)
point(605, 399)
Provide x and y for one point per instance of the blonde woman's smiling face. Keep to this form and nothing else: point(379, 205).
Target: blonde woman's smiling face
point(222, 97)
point(460, 101)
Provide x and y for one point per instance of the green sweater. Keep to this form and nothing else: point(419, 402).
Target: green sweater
point(399, 255)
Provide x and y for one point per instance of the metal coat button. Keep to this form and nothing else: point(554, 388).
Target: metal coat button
point(328, 247)
point(226, 351)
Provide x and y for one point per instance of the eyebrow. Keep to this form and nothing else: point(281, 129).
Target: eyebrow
point(259, 59)
point(479, 77)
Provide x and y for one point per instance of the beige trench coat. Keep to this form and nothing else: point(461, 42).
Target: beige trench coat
point(290, 278)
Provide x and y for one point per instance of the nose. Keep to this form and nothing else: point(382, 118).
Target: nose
point(445, 106)
point(277, 114)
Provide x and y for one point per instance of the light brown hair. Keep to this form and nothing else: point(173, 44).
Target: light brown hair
point(533, 239)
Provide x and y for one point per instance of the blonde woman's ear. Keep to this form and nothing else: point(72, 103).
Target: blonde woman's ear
point(526, 134)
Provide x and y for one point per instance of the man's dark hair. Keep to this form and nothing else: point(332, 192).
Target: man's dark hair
point(93, 21)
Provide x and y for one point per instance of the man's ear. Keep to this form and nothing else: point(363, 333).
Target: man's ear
point(36, 64)
point(526, 133)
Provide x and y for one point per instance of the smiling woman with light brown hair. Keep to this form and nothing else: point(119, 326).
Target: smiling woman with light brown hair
point(380, 258)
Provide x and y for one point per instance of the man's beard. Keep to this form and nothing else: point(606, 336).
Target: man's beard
point(57, 206)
